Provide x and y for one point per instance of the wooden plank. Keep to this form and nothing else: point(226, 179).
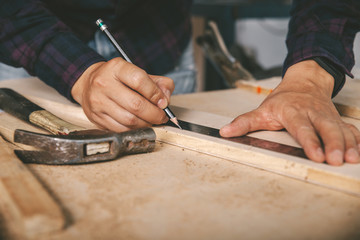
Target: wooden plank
point(345, 178)
point(26, 208)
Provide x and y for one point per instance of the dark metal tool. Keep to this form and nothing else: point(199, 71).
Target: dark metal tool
point(74, 144)
point(247, 140)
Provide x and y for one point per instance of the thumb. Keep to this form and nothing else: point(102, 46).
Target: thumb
point(243, 124)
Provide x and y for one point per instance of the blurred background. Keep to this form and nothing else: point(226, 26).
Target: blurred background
point(253, 31)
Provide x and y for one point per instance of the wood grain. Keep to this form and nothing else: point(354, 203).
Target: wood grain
point(26, 207)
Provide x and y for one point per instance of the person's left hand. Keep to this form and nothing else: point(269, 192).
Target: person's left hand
point(302, 105)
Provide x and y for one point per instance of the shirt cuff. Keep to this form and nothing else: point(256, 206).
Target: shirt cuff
point(288, 63)
point(329, 64)
point(339, 76)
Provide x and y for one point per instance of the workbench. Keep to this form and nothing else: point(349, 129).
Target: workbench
point(177, 193)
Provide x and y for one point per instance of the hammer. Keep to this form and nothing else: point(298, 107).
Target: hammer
point(71, 144)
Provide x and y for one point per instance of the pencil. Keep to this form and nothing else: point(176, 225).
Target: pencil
point(104, 28)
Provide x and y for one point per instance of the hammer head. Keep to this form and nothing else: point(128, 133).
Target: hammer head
point(84, 147)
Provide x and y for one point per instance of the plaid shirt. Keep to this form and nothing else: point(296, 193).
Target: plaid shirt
point(48, 38)
point(324, 28)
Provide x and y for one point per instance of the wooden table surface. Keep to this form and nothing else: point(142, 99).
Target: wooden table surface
point(174, 193)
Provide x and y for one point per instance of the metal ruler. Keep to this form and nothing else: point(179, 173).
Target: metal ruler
point(247, 140)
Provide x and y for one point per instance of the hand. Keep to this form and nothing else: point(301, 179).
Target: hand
point(119, 96)
point(302, 105)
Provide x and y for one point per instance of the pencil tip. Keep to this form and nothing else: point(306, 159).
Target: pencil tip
point(176, 122)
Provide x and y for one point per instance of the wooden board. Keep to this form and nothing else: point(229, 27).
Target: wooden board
point(26, 208)
point(345, 178)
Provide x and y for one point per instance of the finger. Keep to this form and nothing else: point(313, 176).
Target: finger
point(239, 126)
point(106, 122)
point(119, 121)
point(165, 84)
point(305, 134)
point(356, 133)
point(135, 104)
point(249, 122)
point(138, 80)
point(333, 139)
point(96, 112)
point(352, 151)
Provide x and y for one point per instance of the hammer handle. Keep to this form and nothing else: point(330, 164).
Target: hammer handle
point(20, 107)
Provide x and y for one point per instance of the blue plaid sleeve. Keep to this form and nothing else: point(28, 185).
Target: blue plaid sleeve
point(48, 38)
point(33, 38)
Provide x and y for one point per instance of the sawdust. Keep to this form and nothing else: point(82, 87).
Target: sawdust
point(191, 196)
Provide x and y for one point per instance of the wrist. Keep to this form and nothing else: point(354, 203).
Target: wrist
point(308, 76)
point(80, 84)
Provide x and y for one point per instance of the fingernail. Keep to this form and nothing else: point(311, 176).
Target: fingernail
point(336, 157)
point(162, 103)
point(352, 156)
point(225, 129)
point(167, 93)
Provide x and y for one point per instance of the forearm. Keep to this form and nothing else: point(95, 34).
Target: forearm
point(35, 39)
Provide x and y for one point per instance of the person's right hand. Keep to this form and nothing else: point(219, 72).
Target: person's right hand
point(119, 96)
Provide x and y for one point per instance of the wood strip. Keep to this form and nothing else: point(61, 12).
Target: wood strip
point(26, 208)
